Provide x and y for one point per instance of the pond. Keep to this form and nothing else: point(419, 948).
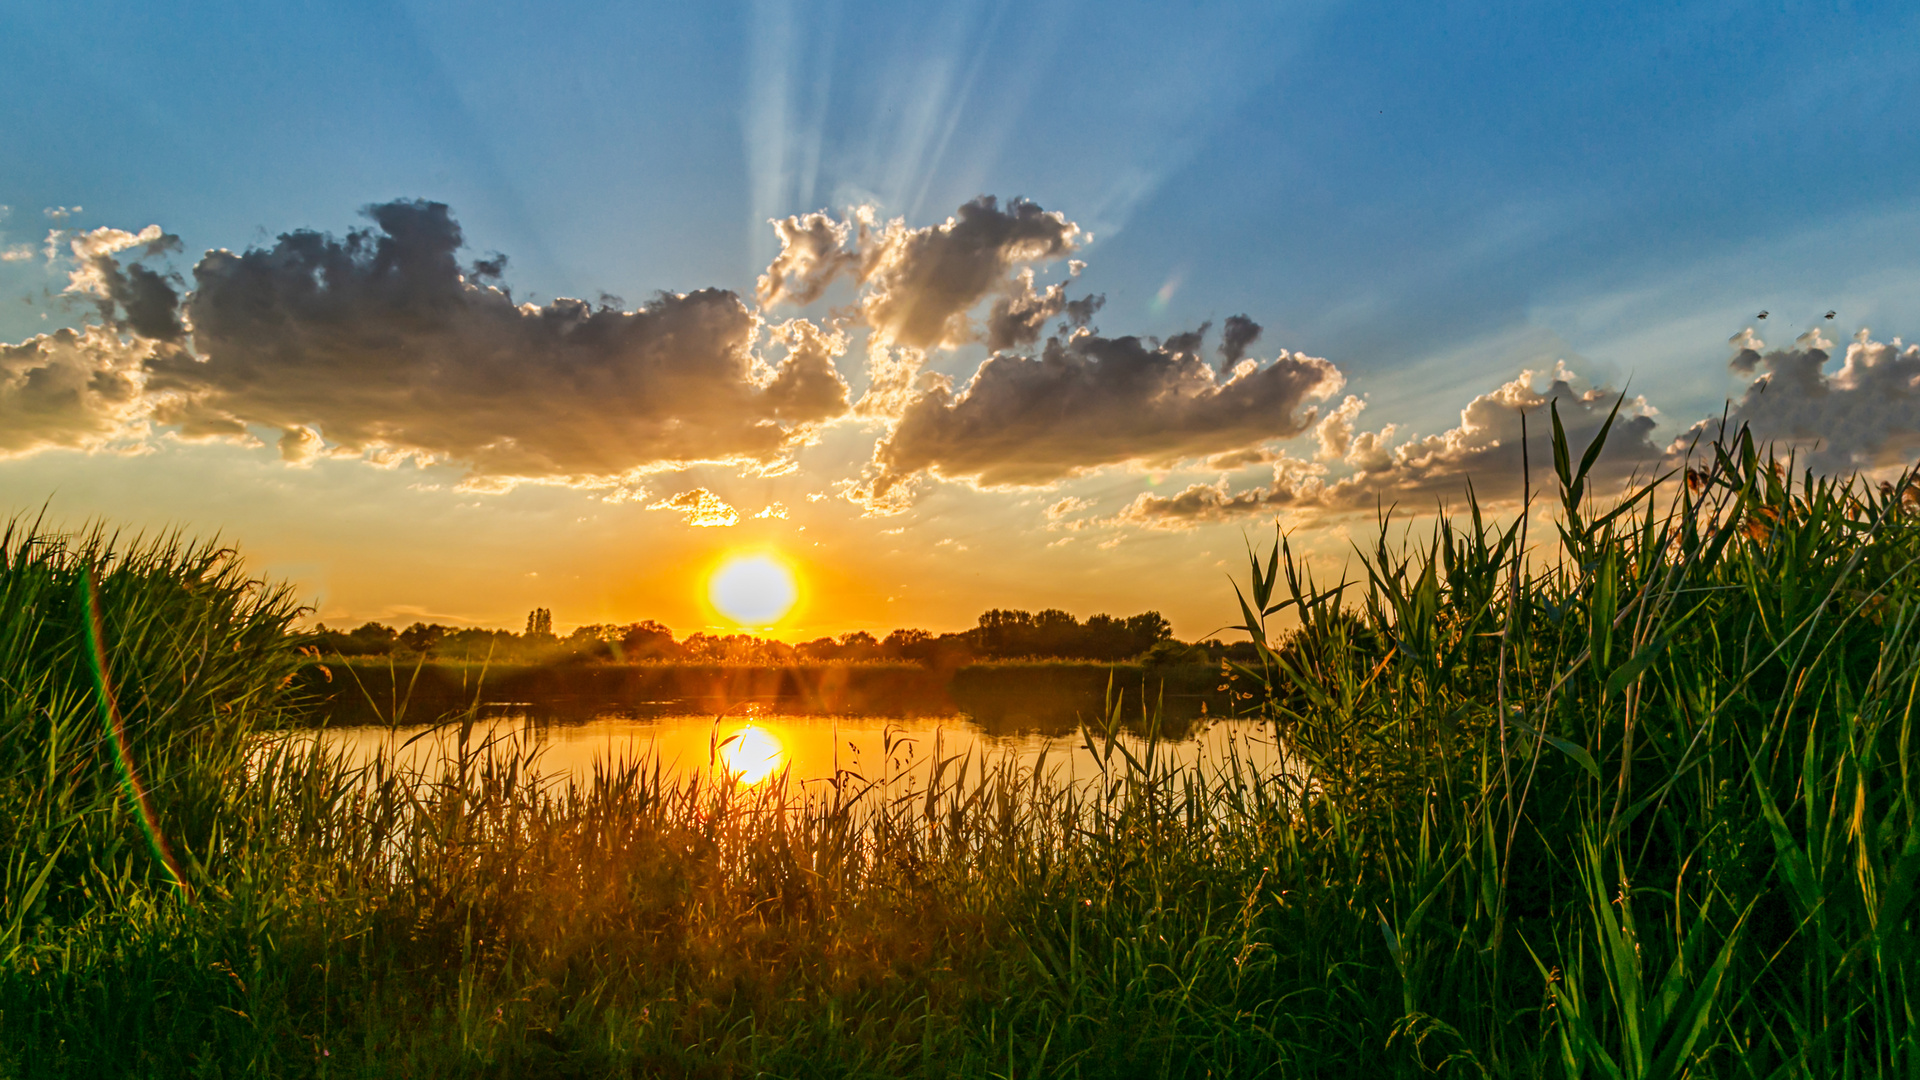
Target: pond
point(882, 722)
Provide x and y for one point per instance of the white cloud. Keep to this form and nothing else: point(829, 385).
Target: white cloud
point(701, 508)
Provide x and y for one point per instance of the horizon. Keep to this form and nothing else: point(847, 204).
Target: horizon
point(950, 310)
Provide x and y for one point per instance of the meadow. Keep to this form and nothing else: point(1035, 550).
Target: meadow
point(1609, 789)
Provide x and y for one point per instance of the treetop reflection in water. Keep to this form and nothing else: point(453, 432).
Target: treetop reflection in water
point(808, 749)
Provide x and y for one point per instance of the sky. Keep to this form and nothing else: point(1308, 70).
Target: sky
point(446, 312)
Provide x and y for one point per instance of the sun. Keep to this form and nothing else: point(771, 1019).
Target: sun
point(755, 590)
point(751, 754)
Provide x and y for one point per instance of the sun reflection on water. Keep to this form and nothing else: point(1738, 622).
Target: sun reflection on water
point(751, 754)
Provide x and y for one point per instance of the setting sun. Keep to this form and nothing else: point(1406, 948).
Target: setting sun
point(753, 590)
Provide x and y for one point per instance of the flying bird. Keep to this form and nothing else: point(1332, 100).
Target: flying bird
point(1831, 314)
point(1763, 314)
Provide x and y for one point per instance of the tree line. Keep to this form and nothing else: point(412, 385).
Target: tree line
point(999, 635)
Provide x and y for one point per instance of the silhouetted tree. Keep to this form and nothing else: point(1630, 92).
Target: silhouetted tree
point(1055, 633)
point(540, 623)
point(421, 638)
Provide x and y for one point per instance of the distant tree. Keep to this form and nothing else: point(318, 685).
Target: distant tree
point(369, 639)
point(476, 643)
point(540, 623)
point(858, 645)
point(908, 644)
point(1055, 633)
point(1000, 632)
point(421, 638)
point(952, 650)
point(818, 649)
point(647, 640)
point(1149, 627)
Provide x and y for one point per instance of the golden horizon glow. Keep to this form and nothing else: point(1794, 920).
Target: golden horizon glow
point(755, 590)
point(751, 754)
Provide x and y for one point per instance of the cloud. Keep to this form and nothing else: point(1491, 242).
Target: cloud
point(1865, 415)
point(1336, 435)
point(1020, 316)
point(1240, 459)
point(891, 374)
point(93, 253)
point(1068, 505)
point(72, 390)
point(1485, 449)
point(919, 286)
point(135, 299)
point(1239, 335)
point(773, 510)
point(812, 253)
point(701, 508)
point(380, 344)
point(1088, 401)
point(1058, 512)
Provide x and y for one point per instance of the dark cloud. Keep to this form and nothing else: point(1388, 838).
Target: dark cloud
point(1081, 312)
point(1084, 402)
point(148, 302)
point(491, 268)
point(1865, 415)
point(378, 343)
point(1188, 341)
point(1238, 336)
point(1020, 316)
point(136, 299)
point(1486, 449)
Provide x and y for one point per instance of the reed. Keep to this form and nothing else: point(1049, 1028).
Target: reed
point(1626, 793)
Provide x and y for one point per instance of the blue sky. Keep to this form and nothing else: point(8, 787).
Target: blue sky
point(1431, 197)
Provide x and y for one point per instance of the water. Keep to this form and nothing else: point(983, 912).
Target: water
point(754, 746)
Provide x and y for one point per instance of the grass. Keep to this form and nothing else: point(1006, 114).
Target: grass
point(1620, 794)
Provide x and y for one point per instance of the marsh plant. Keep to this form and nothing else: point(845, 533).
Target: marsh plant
point(1609, 790)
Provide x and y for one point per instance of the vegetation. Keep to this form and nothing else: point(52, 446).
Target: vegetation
point(1640, 804)
point(1000, 635)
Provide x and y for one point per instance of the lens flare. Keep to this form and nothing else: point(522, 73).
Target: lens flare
point(753, 590)
point(751, 754)
point(116, 728)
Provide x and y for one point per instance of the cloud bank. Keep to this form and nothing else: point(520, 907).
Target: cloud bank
point(1485, 448)
point(1088, 401)
point(1866, 415)
point(381, 343)
point(384, 345)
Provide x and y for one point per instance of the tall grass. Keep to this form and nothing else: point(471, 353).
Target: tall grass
point(1622, 793)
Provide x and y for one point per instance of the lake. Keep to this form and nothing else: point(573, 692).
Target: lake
point(879, 721)
point(753, 746)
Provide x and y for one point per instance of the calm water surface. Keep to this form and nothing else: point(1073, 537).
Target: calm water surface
point(754, 747)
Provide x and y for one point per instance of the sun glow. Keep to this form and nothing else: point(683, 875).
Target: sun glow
point(754, 590)
point(751, 754)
